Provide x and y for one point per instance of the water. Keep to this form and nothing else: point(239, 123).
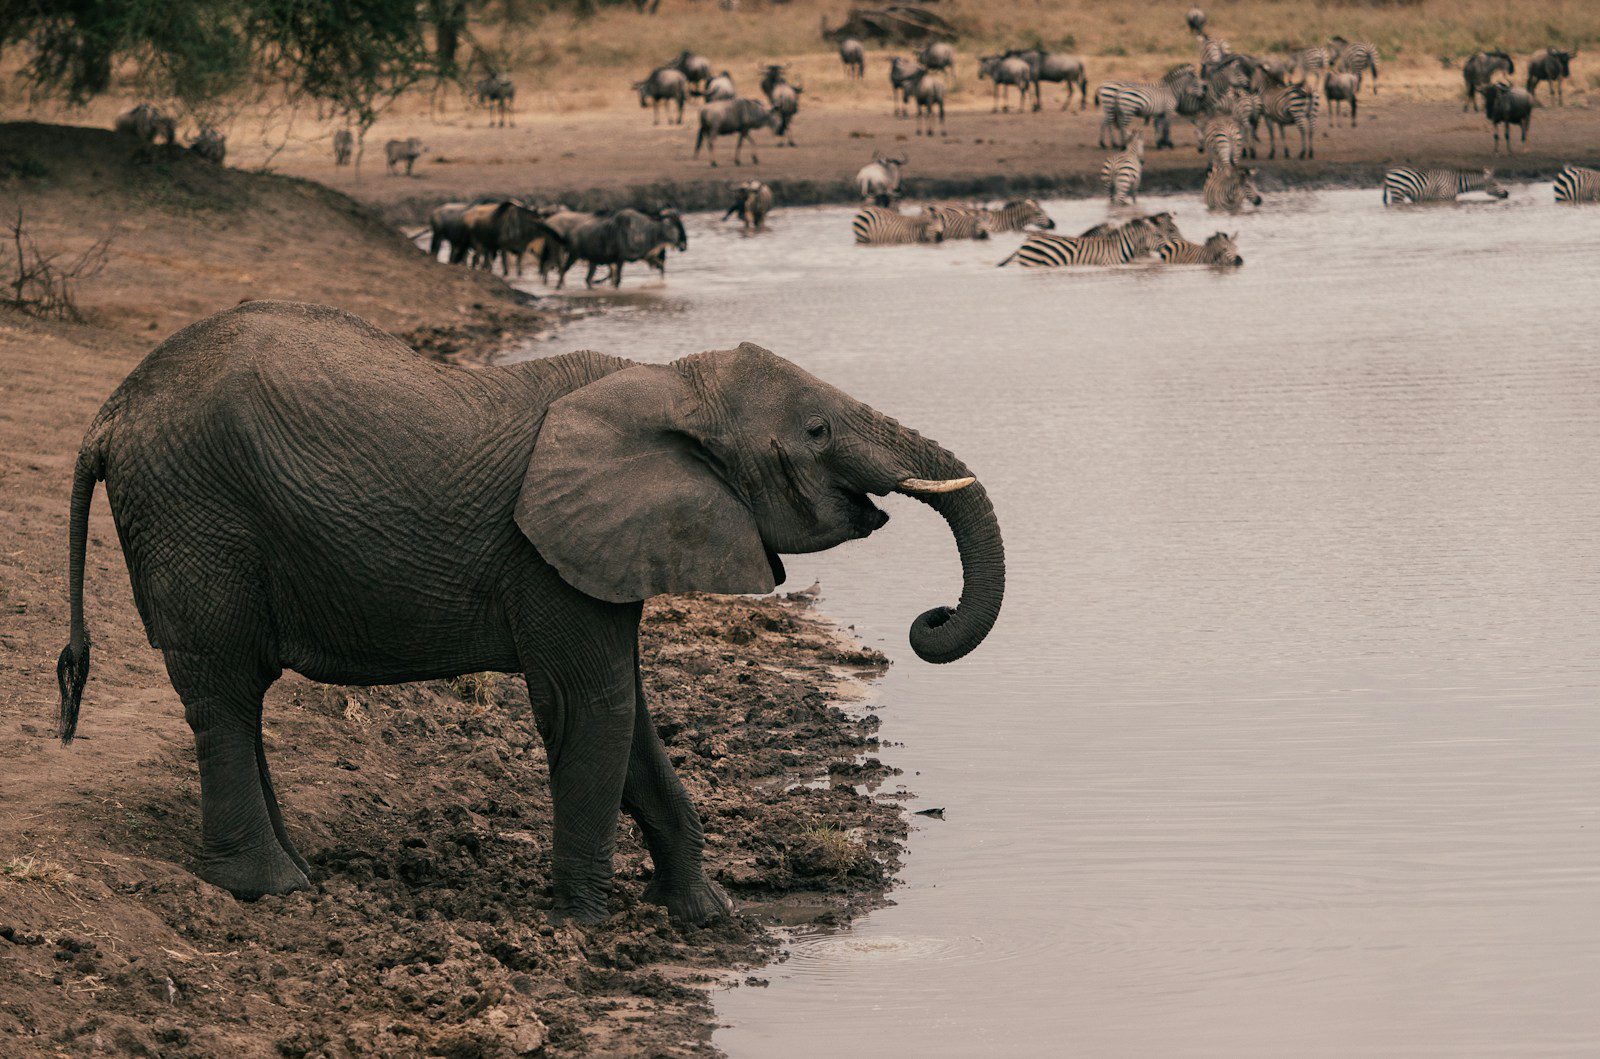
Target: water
point(1287, 741)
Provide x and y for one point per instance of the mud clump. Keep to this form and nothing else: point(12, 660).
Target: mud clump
point(424, 810)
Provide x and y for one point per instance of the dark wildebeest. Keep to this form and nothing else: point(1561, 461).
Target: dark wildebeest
point(1196, 19)
point(666, 84)
point(1057, 68)
point(697, 68)
point(752, 202)
point(498, 92)
point(1508, 106)
point(397, 151)
point(1341, 86)
point(937, 56)
point(719, 88)
point(731, 117)
point(1551, 65)
point(879, 180)
point(504, 229)
point(927, 88)
point(210, 145)
point(1007, 72)
point(901, 71)
point(785, 100)
point(625, 236)
point(448, 227)
point(344, 144)
point(1479, 70)
point(563, 223)
point(854, 56)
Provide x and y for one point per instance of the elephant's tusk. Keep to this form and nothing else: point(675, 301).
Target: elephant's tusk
point(923, 485)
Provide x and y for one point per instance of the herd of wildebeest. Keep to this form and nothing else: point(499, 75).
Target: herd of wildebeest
point(1226, 95)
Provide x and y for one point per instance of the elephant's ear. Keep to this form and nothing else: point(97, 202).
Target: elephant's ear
point(627, 500)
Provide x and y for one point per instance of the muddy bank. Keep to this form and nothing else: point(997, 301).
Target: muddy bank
point(424, 808)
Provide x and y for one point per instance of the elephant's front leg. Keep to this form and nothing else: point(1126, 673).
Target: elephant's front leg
point(655, 798)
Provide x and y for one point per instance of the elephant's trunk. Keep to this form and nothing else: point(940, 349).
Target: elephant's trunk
point(934, 476)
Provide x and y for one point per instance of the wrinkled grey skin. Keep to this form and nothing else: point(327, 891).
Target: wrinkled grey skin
point(733, 117)
point(667, 85)
point(344, 143)
point(295, 489)
point(625, 236)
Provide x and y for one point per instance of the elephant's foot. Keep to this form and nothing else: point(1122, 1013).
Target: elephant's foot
point(254, 873)
point(587, 911)
point(696, 902)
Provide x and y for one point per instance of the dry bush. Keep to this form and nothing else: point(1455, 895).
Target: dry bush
point(34, 870)
point(45, 285)
point(828, 851)
point(476, 688)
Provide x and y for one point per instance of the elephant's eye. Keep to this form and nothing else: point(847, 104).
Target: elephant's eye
point(818, 428)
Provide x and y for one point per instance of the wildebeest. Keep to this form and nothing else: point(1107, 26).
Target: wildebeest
point(625, 236)
point(666, 84)
point(937, 55)
point(854, 56)
point(1057, 68)
point(210, 145)
point(1480, 69)
point(1504, 105)
point(785, 100)
point(1549, 64)
point(697, 68)
point(448, 227)
point(147, 124)
point(344, 144)
point(563, 223)
point(1007, 72)
point(1341, 86)
point(879, 180)
point(751, 204)
point(901, 71)
point(508, 231)
point(927, 88)
point(731, 117)
point(397, 151)
point(1196, 19)
point(719, 88)
point(498, 92)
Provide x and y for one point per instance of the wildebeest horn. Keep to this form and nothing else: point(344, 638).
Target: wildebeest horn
point(923, 485)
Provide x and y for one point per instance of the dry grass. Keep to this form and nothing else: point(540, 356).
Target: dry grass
point(828, 851)
point(476, 688)
point(35, 870)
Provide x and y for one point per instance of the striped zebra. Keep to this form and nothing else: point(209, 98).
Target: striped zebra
point(1308, 62)
point(1123, 102)
point(1218, 250)
point(1410, 184)
point(1213, 49)
point(1017, 214)
point(878, 226)
point(1246, 108)
point(976, 222)
point(1222, 140)
point(1124, 171)
point(1576, 184)
point(962, 222)
point(1229, 188)
point(1356, 57)
point(1108, 246)
point(1285, 105)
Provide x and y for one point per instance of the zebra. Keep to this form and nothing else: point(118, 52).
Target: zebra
point(1285, 105)
point(1576, 184)
point(1355, 57)
point(962, 222)
point(877, 226)
point(1222, 140)
point(1007, 71)
point(1124, 171)
point(1213, 49)
point(1551, 65)
point(927, 88)
point(1309, 61)
point(967, 222)
point(1229, 188)
point(1116, 246)
point(1480, 69)
point(1123, 101)
point(854, 56)
point(1508, 106)
point(1218, 250)
point(1341, 86)
point(1411, 184)
point(1246, 108)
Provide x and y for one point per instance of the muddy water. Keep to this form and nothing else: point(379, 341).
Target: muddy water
point(1288, 741)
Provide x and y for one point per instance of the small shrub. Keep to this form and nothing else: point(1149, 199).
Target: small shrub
point(827, 851)
point(477, 688)
point(34, 870)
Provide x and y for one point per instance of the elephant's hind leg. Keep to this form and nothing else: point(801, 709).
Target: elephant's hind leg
point(656, 800)
point(242, 851)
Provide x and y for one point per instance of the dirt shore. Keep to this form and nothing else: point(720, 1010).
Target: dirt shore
point(613, 157)
point(423, 808)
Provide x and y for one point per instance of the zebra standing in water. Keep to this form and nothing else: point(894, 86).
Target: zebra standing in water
point(1121, 102)
point(1132, 240)
point(1220, 249)
point(1285, 105)
point(1229, 188)
point(877, 226)
point(1356, 57)
point(1410, 184)
point(1124, 171)
point(975, 222)
point(1576, 184)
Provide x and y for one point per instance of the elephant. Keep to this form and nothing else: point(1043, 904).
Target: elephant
point(296, 489)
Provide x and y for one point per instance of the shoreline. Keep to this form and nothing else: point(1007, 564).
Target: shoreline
point(424, 808)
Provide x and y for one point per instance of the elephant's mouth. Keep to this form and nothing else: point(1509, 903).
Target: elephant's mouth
point(865, 516)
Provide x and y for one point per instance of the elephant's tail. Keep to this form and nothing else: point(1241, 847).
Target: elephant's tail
point(72, 668)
